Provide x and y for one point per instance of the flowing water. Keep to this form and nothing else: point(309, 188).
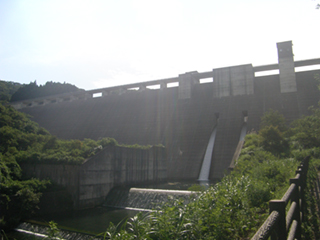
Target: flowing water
point(31, 231)
point(243, 131)
point(205, 169)
point(144, 199)
point(125, 202)
point(85, 222)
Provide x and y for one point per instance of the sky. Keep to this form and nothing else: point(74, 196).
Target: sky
point(101, 43)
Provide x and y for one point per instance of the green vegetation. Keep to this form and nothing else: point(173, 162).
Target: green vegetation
point(18, 197)
point(237, 206)
point(12, 91)
point(53, 232)
point(232, 209)
point(32, 90)
point(23, 141)
point(7, 89)
point(197, 188)
point(310, 227)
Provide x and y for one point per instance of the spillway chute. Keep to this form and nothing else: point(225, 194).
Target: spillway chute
point(206, 164)
point(243, 134)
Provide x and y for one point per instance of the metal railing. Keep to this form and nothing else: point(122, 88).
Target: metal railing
point(287, 225)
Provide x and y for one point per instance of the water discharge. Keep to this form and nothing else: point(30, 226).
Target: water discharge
point(124, 202)
point(243, 134)
point(83, 224)
point(143, 199)
point(243, 131)
point(205, 169)
point(35, 231)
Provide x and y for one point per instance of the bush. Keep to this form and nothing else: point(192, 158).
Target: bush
point(197, 188)
point(275, 119)
point(273, 141)
point(18, 198)
point(307, 130)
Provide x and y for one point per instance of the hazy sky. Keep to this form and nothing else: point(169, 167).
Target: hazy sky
point(100, 43)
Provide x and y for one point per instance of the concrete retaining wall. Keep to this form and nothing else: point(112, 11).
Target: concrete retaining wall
point(90, 182)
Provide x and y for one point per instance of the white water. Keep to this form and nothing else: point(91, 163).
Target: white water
point(243, 132)
point(166, 191)
point(32, 231)
point(205, 169)
point(145, 199)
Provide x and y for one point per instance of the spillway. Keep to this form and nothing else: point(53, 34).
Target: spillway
point(205, 168)
point(143, 199)
point(243, 132)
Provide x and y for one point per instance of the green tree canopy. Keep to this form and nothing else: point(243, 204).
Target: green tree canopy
point(307, 130)
point(273, 140)
point(7, 89)
point(32, 90)
point(273, 118)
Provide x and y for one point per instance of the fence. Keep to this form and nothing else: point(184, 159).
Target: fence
point(282, 225)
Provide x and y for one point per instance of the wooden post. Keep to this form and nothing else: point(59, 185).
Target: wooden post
point(296, 198)
point(280, 207)
point(303, 181)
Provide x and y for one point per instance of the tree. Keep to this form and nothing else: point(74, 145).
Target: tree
point(274, 118)
point(18, 198)
point(7, 89)
point(32, 90)
point(307, 130)
point(274, 141)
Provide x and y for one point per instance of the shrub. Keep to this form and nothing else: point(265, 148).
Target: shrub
point(273, 141)
point(197, 188)
point(275, 119)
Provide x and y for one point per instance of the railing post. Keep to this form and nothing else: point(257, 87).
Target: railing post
point(304, 172)
point(280, 207)
point(296, 198)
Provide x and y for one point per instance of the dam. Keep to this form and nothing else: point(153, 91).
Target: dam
point(182, 113)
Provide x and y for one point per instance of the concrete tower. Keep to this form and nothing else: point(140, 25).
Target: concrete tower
point(286, 66)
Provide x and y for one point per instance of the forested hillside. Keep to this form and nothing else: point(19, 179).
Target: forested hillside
point(18, 197)
point(13, 91)
point(23, 140)
point(32, 90)
point(7, 89)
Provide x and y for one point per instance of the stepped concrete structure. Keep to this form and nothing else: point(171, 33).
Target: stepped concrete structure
point(182, 117)
point(88, 184)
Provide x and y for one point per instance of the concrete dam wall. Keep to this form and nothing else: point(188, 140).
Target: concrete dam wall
point(90, 182)
point(182, 118)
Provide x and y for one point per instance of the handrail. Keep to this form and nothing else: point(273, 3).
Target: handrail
point(282, 225)
point(268, 226)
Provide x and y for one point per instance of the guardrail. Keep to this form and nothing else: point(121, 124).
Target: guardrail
point(282, 225)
